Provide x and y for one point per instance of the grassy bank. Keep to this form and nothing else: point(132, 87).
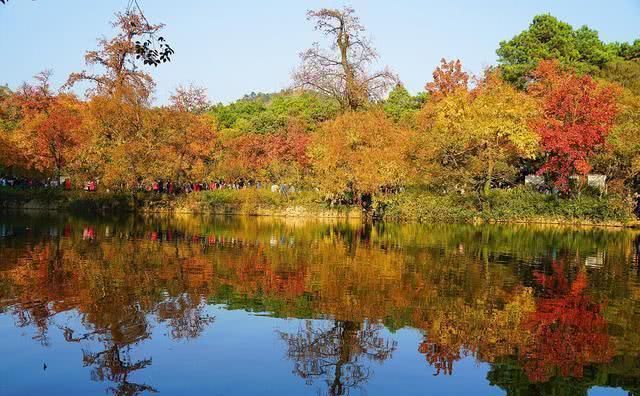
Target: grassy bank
point(56, 199)
point(262, 203)
point(232, 202)
point(514, 205)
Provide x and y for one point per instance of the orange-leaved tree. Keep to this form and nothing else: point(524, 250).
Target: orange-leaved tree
point(49, 132)
point(447, 78)
point(360, 153)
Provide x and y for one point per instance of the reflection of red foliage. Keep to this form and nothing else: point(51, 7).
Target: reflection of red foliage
point(257, 274)
point(568, 329)
point(440, 356)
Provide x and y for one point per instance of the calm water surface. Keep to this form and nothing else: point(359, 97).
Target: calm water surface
point(252, 306)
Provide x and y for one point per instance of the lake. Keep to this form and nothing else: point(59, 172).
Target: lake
point(188, 305)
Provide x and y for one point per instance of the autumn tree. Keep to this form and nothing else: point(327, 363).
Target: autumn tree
point(447, 78)
point(123, 145)
point(342, 71)
point(187, 136)
point(359, 153)
point(117, 60)
point(448, 99)
point(577, 115)
point(279, 157)
point(474, 139)
point(498, 124)
point(49, 132)
point(125, 142)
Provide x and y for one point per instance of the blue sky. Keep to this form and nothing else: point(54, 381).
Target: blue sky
point(233, 47)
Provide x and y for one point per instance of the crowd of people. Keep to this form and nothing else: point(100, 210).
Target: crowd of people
point(158, 186)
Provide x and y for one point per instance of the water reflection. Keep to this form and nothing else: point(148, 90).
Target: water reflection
point(338, 354)
point(552, 311)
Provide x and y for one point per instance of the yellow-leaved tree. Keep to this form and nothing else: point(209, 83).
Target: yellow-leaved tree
point(499, 126)
point(359, 154)
point(620, 160)
point(474, 138)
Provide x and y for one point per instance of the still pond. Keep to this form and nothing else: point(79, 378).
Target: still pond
point(256, 306)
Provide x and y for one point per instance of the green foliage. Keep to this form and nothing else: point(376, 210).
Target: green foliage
point(9, 114)
point(629, 51)
point(517, 204)
point(549, 38)
point(621, 159)
point(525, 204)
point(623, 72)
point(76, 201)
point(400, 106)
point(429, 207)
point(266, 113)
point(251, 201)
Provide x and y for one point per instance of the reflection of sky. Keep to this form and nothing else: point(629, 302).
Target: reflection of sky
point(239, 353)
point(600, 391)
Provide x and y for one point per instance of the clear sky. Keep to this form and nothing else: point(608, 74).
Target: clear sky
point(233, 47)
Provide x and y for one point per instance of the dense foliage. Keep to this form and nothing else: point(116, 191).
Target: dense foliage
point(561, 103)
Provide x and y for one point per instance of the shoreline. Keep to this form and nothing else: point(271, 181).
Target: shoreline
point(261, 204)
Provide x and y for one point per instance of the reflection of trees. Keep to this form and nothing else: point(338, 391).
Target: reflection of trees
point(114, 364)
point(459, 329)
point(567, 327)
point(184, 315)
point(558, 334)
point(118, 296)
point(440, 356)
point(338, 353)
point(471, 290)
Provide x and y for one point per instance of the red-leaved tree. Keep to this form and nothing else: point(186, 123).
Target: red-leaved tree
point(577, 115)
point(447, 78)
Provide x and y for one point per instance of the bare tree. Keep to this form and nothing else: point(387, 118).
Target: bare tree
point(342, 70)
point(191, 98)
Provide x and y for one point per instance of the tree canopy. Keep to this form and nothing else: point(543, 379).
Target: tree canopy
point(549, 38)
